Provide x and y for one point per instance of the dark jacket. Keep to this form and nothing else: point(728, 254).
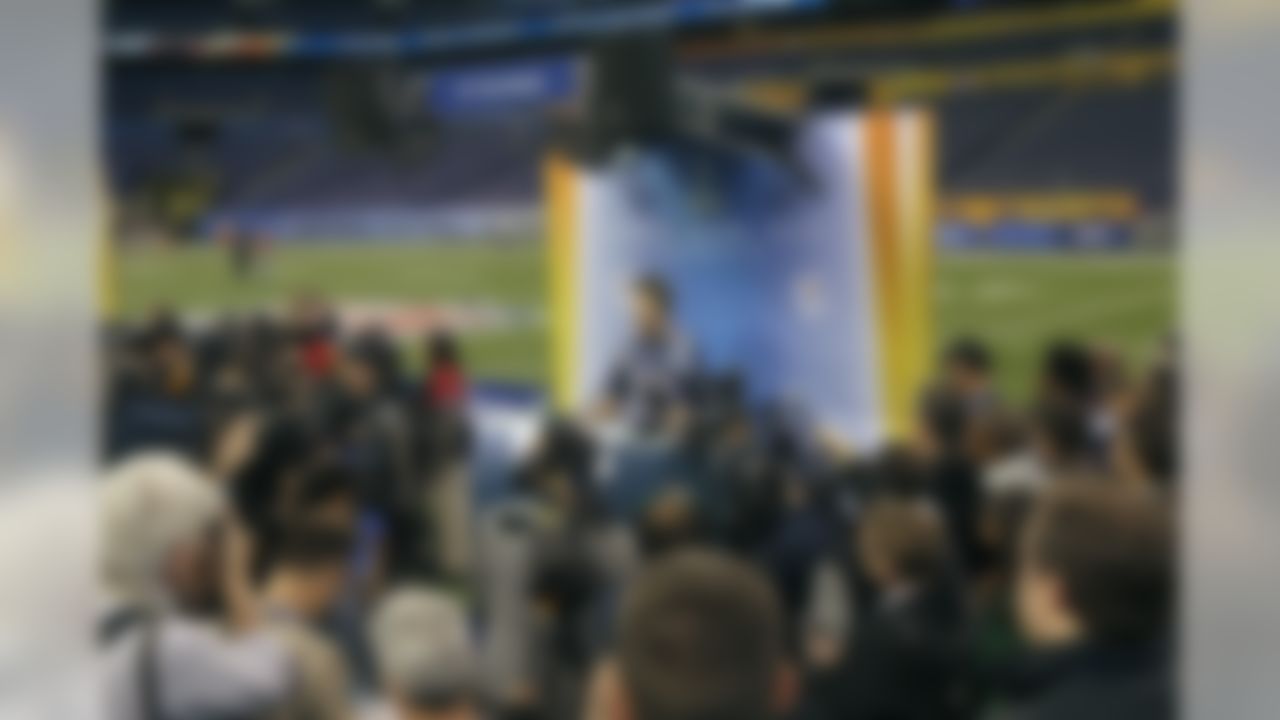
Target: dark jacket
point(905, 662)
point(1100, 682)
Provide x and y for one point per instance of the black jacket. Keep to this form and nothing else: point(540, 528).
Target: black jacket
point(905, 662)
point(1100, 682)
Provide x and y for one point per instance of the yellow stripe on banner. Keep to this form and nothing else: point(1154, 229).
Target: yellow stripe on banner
point(884, 217)
point(927, 211)
point(1122, 69)
point(915, 205)
point(561, 180)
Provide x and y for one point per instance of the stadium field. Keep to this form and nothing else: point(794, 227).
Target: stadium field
point(1017, 303)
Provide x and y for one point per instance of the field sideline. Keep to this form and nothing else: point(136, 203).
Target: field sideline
point(1016, 302)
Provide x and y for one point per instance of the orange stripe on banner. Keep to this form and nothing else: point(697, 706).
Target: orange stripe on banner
point(886, 264)
point(561, 181)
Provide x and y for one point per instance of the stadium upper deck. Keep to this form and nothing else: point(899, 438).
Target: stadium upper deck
point(1043, 98)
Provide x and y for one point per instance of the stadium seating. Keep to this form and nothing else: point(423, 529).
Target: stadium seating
point(1062, 139)
point(278, 146)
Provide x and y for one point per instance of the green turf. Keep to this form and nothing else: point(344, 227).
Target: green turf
point(1019, 304)
point(198, 277)
point(1016, 302)
point(511, 273)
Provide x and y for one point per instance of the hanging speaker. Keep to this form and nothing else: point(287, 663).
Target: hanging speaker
point(632, 93)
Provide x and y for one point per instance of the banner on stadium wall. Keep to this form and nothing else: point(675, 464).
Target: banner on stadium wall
point(814, 286)
point(501, 87)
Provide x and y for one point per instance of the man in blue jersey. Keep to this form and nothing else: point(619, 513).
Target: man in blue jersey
point(648, 388)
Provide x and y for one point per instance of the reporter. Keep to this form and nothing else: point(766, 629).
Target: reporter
point(305, 582)
point(425, 657)
point(1095, 595)
point(701, 639)
point(183, 640)
point(904, 660)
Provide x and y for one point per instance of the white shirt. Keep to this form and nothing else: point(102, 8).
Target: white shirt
point(202, 672)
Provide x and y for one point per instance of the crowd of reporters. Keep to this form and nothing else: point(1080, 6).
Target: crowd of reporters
point(290, 532)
